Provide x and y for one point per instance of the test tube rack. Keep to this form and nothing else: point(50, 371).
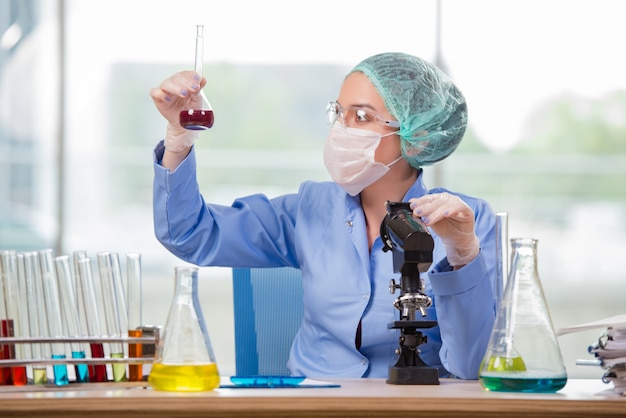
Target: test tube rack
point(146, 343)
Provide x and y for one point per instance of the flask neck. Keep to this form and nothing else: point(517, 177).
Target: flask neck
point(186, 280)
point(523, 257)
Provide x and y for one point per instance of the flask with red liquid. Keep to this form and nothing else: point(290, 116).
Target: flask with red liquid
point(198, 119)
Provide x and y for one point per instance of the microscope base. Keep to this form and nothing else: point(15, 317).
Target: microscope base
point(413, 375)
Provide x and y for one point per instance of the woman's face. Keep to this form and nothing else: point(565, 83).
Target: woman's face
point(358, 91)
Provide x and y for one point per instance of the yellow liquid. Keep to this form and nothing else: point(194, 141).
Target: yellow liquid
point(119, 369)
point(40, 376)
point(506, 364)
point(182, 378)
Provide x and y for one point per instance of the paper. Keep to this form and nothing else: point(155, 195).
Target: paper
point(609, 351)
point(617, 321)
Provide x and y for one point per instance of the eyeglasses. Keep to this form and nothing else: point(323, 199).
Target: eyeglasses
point(357, 114)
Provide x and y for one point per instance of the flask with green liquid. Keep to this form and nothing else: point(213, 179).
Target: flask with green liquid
point(184, 360)
point(523, 354)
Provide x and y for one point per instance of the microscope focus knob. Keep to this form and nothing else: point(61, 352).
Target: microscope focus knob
point(393, 286)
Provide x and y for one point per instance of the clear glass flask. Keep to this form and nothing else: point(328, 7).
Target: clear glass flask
point(202, 118)
point(523, 354)
point(184, 360)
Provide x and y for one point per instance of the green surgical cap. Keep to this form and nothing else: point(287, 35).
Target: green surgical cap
point(431, 110)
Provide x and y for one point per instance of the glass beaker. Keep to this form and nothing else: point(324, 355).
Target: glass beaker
point(184, 360)
point(523, 354)
point(202, 118)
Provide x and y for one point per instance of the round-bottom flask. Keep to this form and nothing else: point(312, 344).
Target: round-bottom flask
point(184, 360)
point(523, 354)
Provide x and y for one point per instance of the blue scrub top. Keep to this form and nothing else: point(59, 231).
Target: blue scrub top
point(321, 231)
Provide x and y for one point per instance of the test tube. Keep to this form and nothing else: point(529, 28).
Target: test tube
point(69, 313)
point(115, 324)
point(11, 327)
point(18, 373)
point(134, 295)
point(6, 325)
point(87, 308)
point(53, 314)
point(37, 324)
point(502, 255)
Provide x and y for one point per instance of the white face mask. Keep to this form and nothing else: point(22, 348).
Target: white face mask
point(349, 158)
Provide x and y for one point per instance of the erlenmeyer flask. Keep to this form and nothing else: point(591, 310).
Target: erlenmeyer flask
point(184, 359)
point(523, 353)
point(202, 118)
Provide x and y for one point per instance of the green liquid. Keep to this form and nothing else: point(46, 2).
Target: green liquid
point(502, 364)
point(519, 384)
point(40, 376)
point(119, 369)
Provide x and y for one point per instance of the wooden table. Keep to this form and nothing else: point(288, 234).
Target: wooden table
point(355, 398)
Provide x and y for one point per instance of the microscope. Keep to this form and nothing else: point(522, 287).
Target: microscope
point(412, 247)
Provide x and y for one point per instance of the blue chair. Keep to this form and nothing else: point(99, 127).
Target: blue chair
point(268, 311)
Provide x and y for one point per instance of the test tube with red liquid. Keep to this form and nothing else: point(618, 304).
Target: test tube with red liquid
point(115, 319)
point(20, 316)
point(6, 320)
point(87, 305)
point(198, 119)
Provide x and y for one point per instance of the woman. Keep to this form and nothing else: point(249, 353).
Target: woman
point(394, 114)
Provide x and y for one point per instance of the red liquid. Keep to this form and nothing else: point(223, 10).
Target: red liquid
point(15, 375)
point(6, 351)
point(18, 374)
point(196, 120)
point(97, 372)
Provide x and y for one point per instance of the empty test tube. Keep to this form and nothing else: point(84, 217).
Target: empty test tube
point(502, 255)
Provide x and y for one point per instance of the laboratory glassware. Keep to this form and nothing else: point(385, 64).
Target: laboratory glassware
point(37, 324)
point(12, 325)
point(134, 286)
point(198, 119)
point(502, 255)
point(69, 313)
point(19, 373)
point(88, 308)
point(184, 360)
point(53, 314)
point(523, 354)
point(6, 323)
point(112, 310)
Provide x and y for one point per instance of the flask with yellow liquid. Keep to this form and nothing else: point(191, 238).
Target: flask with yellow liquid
point(184, 360)
point(523, 354)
